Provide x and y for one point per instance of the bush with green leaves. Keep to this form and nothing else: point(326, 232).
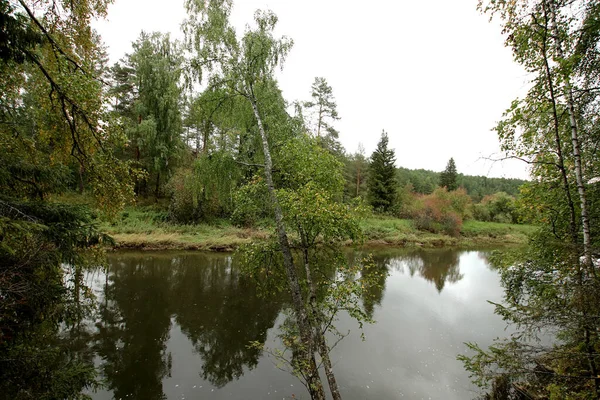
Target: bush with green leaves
point(205, 191)
point(251, 203)
point(184, 206)
point(406, 202)
point(499, 207)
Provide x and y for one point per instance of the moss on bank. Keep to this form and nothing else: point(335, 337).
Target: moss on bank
point(148, 229)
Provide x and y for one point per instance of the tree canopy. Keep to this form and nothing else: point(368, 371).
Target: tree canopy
point(55, 136)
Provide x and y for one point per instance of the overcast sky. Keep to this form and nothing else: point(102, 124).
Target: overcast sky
point(434, 74)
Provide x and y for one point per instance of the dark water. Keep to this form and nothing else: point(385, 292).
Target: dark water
point(177, 326)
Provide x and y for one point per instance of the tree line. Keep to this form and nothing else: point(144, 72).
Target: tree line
point(196, 149)
point(69, 123)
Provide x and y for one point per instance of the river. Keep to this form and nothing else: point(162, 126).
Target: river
point(173, 325)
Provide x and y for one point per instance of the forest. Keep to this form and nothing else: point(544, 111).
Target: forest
point(185, 135)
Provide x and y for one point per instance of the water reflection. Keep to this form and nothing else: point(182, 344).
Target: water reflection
point(221, 314)
point(134, 327)
point(164, 313)
point(439, 266)
point(214, 307)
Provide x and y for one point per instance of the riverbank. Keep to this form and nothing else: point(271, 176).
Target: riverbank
point(148, 230)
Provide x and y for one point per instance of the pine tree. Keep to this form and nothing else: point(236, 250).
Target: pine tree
point(448, 176)
point(382, 176)
point(323, 110)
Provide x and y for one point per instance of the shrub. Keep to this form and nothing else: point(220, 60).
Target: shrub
point(406, 202)
point(251, 203)
point(498, 207)
point(184, 206)
point(442, 211)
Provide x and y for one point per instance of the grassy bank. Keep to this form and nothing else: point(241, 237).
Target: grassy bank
point(400, 232)
point(145, 228)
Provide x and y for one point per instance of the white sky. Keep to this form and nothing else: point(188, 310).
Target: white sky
point(434, 74)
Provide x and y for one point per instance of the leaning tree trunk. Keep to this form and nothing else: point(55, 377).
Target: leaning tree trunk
point(557, 139)
point(314, 385)
point(318, 322)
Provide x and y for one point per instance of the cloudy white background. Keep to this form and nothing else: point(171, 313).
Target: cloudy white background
point(434, 74)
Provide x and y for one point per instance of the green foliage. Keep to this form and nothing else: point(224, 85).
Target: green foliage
point(54, 130)
point(325, 107)
point(406, 203)
point(55, 135)
point(356, 171)
point(350, 286)
point(323, 110)
point(542, 300)
point(551, 290)
point(37, 240)
point(382, 180)
point(499, 207)
point(448, 176)
point(18, 37)
point(317, 216)
point(184, 204)
point(495, 229)
point(250, 200)
point(424, 182)
point(148, 98)
point(302, 161)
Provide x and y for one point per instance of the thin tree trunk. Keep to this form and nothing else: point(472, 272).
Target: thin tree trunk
point(357, 180)
point(314, 385)
point(197, 153)
point(157, 188)
point(568, 93)
point(318, 322)
point(81, 186)
point(587, 242)
point(556, 128)
point(205, 134)
point(319, 121)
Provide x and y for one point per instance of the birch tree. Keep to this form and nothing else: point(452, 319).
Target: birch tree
point(552, 288)
point(244, 67)
point(305, 189)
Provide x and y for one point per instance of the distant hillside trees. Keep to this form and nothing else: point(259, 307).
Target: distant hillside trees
point(425, 181)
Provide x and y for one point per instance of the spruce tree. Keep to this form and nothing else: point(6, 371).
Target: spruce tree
point(382, 176)
point(448, 176)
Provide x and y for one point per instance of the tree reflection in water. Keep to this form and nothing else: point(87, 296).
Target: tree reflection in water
point(221, 313)
point(439, 266)
point(134, 327)
point(204, 294)
point(218, 310)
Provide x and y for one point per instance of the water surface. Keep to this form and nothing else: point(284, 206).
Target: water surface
point(177, 326)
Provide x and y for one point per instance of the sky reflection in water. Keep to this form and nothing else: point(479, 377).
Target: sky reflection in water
point(177, 325)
